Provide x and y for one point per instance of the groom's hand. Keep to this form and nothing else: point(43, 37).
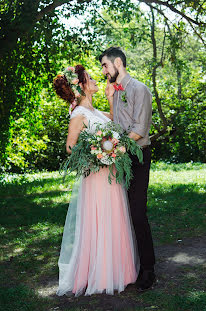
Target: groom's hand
point(134, 136)
point(109, 91)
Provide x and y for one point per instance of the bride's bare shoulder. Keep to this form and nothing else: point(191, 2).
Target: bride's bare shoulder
point(78, 121)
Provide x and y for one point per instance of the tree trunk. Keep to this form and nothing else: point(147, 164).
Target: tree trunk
point(156, 64)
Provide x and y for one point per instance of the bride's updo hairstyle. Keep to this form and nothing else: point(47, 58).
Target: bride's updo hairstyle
point(64, 89)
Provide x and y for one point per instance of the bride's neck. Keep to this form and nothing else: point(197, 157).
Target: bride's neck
point(86, 102)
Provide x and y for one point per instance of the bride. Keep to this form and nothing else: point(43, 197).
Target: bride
point(98, 246)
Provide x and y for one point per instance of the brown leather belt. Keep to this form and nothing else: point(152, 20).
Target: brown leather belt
point(145, 146)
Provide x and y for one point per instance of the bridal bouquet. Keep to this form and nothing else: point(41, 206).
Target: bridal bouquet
point(108, 146)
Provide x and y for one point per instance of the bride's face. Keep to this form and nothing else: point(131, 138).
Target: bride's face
point(91, 86)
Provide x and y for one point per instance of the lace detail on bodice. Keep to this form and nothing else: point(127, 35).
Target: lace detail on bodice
point(94, 117)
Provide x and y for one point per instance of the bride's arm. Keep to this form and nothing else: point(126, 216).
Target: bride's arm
point(76, 125)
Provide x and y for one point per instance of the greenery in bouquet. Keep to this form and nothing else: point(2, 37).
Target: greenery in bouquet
point(108, 146)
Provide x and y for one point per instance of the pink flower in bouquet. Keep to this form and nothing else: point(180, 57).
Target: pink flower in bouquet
point(114, 155)
point(71, 69)
point(93, 148)
point(99, 133)
point(75, 81)
point(122, 149)
point(99, 156)
point(115, 141)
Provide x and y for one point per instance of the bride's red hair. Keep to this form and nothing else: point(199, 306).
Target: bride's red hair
point(63, 88)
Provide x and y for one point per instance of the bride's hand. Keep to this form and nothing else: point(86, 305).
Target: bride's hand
point(109, 91)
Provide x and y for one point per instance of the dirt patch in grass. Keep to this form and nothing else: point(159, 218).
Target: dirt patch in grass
point(180, 268)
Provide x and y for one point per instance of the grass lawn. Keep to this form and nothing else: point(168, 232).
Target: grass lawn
point(33, 208)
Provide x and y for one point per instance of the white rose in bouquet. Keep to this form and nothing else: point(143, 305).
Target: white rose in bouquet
point(115, 135)
point(108, 145)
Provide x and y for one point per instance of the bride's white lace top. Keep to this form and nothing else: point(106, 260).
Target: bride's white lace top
point(94, 117)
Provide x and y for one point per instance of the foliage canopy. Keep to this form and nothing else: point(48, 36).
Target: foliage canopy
point(165, 50)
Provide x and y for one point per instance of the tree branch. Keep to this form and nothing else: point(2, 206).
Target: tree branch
point(157, 135)
point(172, 8)
point(156, 126)
point(154, 71)
point(167, 19)
point(54, 5)
point(163, 47)
point(198, 34)
point(106, 22)
point(18, 31)
point(50, 8)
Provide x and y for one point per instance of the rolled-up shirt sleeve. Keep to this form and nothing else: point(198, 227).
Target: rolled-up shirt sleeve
point(142, 111)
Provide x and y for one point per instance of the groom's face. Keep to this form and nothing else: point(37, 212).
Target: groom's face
point(109, 69)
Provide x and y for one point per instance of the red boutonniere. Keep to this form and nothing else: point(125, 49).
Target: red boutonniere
point(118, 87)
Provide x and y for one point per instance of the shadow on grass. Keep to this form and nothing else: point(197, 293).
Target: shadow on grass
point(21, 205)
point(191, 301)
point(176, 211)
point(181, 287)
point(27, 210)
point(173, 212)
point(22, 298)
point(32, 231)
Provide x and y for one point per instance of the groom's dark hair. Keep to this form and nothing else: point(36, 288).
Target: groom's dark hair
point(113, 53)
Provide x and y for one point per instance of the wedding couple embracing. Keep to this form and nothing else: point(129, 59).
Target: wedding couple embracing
point(107, 242)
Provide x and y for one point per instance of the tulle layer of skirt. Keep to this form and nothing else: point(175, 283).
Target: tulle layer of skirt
point(98, 252)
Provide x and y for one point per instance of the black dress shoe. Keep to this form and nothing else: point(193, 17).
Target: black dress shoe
point(146, 280)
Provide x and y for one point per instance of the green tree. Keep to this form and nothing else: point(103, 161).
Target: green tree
point(35, 46)
point(171, 61)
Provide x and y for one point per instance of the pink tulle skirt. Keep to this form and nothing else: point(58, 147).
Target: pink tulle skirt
point(98, 252)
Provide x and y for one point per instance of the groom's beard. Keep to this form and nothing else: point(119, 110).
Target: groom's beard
point(114, 77)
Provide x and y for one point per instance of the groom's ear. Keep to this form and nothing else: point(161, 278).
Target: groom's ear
point(118, 62)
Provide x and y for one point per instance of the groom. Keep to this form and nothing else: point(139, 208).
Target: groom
point(131, 107)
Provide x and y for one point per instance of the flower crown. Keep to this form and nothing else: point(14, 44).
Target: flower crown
point(72, 79)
